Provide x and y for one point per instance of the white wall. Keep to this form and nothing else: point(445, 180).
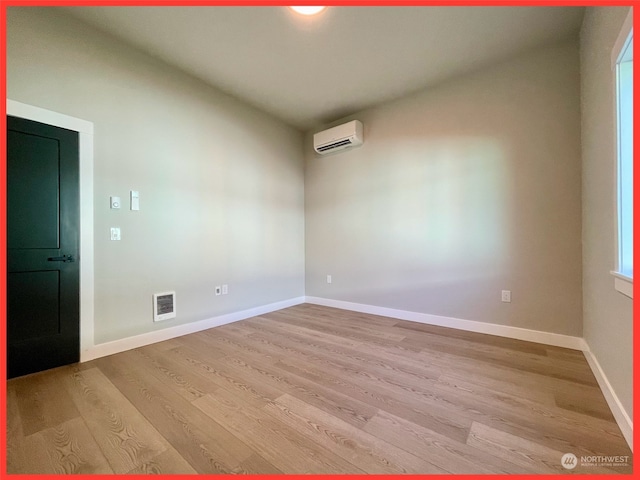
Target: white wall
point(221, 184)
point(458, 192)
point(608, 315)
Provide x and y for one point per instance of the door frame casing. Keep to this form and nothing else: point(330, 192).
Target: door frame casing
point(85, 151)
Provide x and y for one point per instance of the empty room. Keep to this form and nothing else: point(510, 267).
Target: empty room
point(359, 240)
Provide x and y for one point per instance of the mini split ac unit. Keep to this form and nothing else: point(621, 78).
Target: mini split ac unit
point(338, 138)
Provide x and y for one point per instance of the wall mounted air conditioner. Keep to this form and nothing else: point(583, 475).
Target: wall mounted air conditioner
point(337, 138)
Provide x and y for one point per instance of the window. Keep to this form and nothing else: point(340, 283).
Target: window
point(622, 55)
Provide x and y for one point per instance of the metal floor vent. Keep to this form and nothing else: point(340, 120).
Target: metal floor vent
point(164, 306)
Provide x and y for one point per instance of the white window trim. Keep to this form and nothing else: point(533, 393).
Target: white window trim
point(622, 283)
point(626, 29)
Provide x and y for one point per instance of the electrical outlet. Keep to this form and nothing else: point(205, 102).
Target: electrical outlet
point(218, 291)
point(115, 233)
point(225, 289)
point(506, 296)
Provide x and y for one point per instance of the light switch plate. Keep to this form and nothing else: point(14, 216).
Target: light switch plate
point(135, 200)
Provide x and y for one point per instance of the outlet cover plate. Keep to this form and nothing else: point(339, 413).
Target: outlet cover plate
point(506, 296)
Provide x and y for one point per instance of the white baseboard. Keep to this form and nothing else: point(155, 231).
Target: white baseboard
point(619, 413)
point(547, 338)
point(576, 343)
point(117, 346)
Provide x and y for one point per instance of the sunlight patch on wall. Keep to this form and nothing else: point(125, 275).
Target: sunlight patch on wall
point(434, 203)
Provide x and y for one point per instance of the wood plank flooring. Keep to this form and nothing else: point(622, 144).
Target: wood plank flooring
point(312, 389)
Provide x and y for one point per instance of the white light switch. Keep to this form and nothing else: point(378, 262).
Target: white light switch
point(329, 280)
point(115, 233)
point(135, 200)
point(115, 202)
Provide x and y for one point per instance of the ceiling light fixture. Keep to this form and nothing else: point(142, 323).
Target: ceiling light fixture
point(307, 10)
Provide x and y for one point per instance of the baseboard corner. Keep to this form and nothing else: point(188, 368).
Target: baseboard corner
point(617, 409)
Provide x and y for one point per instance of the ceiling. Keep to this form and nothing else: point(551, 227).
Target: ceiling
point(310, 71)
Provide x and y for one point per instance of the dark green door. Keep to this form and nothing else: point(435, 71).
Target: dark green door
point(43, 281)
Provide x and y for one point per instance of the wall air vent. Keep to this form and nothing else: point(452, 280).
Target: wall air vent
point(164, 306)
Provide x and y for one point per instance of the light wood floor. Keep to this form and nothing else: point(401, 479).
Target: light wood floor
point(313, 389)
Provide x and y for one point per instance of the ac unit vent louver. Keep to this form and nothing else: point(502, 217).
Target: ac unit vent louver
point(338, 138)
point(331, 146)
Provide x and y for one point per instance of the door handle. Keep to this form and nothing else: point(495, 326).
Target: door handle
point(63, 258)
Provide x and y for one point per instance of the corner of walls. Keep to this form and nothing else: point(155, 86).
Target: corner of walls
point(617, 408)
point(608, 315)
point(221, 182)
point(486, 164)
